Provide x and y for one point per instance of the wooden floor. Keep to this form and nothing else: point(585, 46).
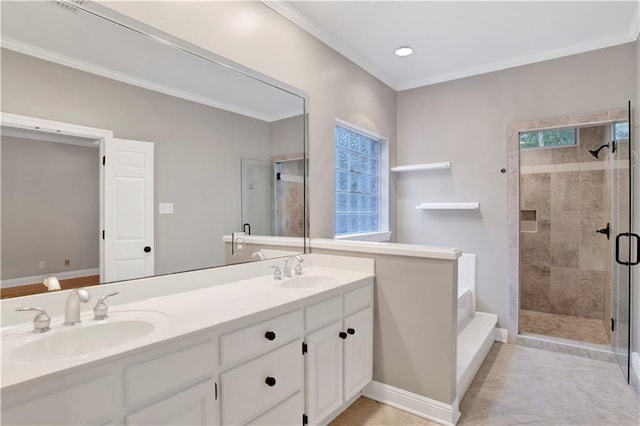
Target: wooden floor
point(27, 289)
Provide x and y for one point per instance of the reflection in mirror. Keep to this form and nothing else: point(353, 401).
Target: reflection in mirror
point(192, 151)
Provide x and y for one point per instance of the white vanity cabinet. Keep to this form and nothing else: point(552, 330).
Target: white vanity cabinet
point(169, 384)
point(339, 361)
point(294, 364)
point(262, 368)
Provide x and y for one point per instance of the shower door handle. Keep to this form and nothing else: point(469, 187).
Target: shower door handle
point(629, 262)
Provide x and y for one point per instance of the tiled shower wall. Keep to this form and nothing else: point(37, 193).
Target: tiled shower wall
point(289, 197)
point(563, 261)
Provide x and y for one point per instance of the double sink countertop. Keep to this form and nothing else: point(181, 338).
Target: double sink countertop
point(27, 355)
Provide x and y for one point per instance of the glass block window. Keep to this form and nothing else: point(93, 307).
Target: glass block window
point(621, 131)
point(549, 138)
point(357, 182)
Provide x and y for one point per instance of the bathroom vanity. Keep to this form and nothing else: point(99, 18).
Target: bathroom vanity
point(255, 350)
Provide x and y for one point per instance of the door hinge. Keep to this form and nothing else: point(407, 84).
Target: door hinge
point(216, 391)
point(305, 420)
point(104, 160)
point(613, 324)
point(304, 348)
point(103, 234)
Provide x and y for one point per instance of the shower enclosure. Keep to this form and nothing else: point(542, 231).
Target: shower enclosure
point(272, 194)
point(575, 242)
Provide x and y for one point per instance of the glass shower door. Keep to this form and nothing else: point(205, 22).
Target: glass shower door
point(625, 245)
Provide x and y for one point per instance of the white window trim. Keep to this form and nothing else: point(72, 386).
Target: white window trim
point(383, 234)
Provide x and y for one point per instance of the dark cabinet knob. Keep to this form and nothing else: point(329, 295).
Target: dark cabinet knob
point(147, 249)
point(270, 335)
point(270, 381)
point(351, 331)
point(342, 335)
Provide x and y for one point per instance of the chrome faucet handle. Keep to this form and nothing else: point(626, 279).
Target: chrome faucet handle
point(41, 322)
point(298, 268)
point(101, 308)
point(277, 273)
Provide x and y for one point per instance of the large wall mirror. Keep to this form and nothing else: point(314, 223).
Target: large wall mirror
point(169, 152)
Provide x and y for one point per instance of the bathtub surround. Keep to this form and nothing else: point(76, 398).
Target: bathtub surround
point(411, 310)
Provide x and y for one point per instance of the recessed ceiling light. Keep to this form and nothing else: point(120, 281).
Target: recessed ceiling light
point(404, 51)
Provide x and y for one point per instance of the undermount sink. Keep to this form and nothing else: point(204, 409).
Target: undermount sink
point(88, 337)
point(309, 281)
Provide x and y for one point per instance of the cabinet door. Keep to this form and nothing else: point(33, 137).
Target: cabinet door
point(287, 413)
point(358, 352)
point(324, 372)
point(88, 402)
point(193, 406)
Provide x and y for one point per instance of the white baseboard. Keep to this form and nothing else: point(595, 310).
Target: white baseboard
point(419, 405)
point(502, 334)
point(14, 282)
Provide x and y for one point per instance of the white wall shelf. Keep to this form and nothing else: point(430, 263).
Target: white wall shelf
point(463, 205)
point(423, 166)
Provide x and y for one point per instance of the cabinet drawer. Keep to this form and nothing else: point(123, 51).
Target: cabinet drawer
point(322, 313)
point(288, 412)
point(245, 394)
point(84, 404)
point(253, 341)
point(357, 299)
point(167, 372)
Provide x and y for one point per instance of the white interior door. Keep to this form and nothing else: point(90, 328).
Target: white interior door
point(128, 209)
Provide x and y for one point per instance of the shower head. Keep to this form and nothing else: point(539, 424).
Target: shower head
point(595, 152)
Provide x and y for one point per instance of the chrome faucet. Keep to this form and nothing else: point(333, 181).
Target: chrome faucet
point(287, 266)
point(72, 307)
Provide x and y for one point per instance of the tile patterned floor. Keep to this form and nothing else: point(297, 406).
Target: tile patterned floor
point(564, 326)
point(520, 385)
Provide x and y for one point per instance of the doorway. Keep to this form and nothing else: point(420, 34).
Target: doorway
point(122, 195)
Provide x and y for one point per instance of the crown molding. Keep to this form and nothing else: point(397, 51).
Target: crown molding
point(47, 55)
point(293, 15)
point(520, 61)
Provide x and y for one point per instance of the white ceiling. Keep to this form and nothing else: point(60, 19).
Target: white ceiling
point(80, 40)
point(454, 39)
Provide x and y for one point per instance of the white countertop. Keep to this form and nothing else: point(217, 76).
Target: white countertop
point(185, 312)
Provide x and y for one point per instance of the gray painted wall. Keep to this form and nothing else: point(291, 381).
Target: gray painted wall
point(255, 36)
point(465, 122)
point(197, 149)
point(414, 323)
point(48, 213)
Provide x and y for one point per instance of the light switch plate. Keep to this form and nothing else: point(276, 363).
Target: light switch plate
point(165, 208)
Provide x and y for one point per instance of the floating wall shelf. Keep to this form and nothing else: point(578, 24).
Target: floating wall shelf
point(423, 166)
point(466, 205)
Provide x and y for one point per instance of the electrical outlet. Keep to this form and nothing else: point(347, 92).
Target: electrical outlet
point(67, 262)
point(165, 208)
point(40, 265)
